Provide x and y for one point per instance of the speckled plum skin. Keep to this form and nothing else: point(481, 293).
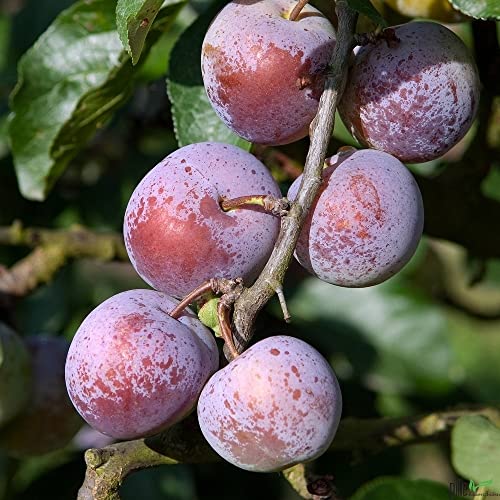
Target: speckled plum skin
point(176, 233)
point(263, 73)
point(416, 99)
point(366, 222)
point(15, 374)
point(276, 405)
point(49, 421)
point(132, 370)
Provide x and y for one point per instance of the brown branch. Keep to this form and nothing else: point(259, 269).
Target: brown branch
point(52, 250)
point(254, 299)
point(308, 485)
point(108, 467)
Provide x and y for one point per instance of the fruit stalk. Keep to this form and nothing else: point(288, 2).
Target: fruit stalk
point(254, 298)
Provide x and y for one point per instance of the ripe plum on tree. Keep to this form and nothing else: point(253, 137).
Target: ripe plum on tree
point(414, 98)
point(276, 405)
point(176, 233)
point(133, 370)
point(263, 72)
point(366, 222)
point(49, 421)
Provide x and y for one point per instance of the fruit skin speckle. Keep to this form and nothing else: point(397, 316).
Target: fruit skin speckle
point(132, 370)
point(366, 222)
point(276, 405)
point(176, 234)
point(263, 73)
point(414, 100)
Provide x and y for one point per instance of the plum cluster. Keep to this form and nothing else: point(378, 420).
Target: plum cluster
point(140, 362)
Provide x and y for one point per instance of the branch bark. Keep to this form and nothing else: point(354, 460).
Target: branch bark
point(52, 250)
point(108, 467)
point(253, 299)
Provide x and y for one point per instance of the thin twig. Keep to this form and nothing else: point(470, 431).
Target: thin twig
point(284, 307)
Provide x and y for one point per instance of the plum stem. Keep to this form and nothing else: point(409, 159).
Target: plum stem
point(190, 298)
point(275, 206)
point(223, 314)
point(297, 9)
point(230, 289)
point(215, 285)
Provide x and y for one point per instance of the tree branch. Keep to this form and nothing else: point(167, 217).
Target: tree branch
point(52, 250)
point(253, 299)
point(108, 467)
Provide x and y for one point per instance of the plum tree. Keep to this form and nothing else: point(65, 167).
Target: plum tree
point(414, 98)
point(49, 421)
point(15, 374)
point(277, 404)
point(263, 72)
point(365, 223)
point(176, 233)
point(133, 370)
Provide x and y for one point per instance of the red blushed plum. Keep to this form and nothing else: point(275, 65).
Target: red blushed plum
point(276, 405)
point(177, 234)
point(49, 421)
point(263, 73)
point(132, 370)
point(366, 222)
point(415, 98)
point(15, 374)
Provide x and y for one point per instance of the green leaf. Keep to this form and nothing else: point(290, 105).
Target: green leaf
point(475, 450)
point(478, 9)
point(403, 489)
point(69, 85)
point(208, 315)
point(390, 335)
point(194, 118)
point(133, 21)
point(366, 8)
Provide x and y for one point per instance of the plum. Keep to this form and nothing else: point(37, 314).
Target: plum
point(177, 234)
point(15, 374)
point(49, 421)
point(365, 223)
point(263, 73)
point(276, 405)
point(133, 370)
point(414, 98)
